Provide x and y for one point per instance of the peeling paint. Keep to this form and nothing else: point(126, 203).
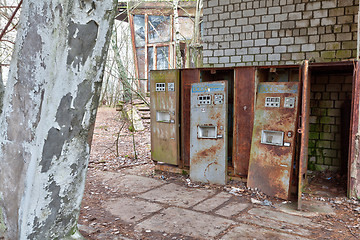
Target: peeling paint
point(52, 92)
point(82, 40)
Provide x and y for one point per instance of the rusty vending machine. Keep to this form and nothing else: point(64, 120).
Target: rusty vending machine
point(274, 138)
point(164, 106)
point(208, 132)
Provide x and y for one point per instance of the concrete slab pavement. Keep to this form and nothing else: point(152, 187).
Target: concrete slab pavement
point(156, 206)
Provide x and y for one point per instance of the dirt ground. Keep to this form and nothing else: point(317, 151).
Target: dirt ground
point(113, 151)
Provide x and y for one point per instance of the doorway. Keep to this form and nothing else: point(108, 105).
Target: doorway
point(329, 128)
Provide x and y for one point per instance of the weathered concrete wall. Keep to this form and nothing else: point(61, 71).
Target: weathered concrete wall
point(49, 111)
point(272, 32)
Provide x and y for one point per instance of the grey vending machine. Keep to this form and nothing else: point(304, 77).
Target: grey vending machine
point(208, 132)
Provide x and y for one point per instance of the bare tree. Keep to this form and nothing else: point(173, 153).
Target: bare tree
point(48, 115)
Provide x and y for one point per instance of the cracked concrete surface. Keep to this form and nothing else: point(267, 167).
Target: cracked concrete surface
point(164, 209)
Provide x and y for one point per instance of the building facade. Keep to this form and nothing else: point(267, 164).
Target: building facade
point(276, 32)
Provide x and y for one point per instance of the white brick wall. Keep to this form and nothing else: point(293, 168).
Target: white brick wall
point(253, 32)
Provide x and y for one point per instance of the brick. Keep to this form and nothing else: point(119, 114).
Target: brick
point(308, 47)
point(224, 31)
point(329, 153)
point(321, 13)
point(286, 56)
point(218, 53)
point(313, 55)
point(274, 10)
point(323, 144)
point(313, 135)
point(229, 37)
point(207, 39)
point(259, 57)
point(307, 14)
point(288, 24)
point(334, 112)
point(248, 43)
point(327, 128)
point(235, 30)
point(274, 26)
point(280, 49)
point(328, 4)
point(288, 8)
point(314, 39)
point(281, 17)
point(230, 23)
point(318, 87)
point(236, 44)
point(343, 54)
point(349, 45)
point(298, 56)
point(300, 7)
point(301, 40)
point(254, 50)
point(333, 46)
point(248, 58)
point(242, 21)
point(241, 51)
point(343, 37)
point(248, 13)
point(260, 27)
point(274, 41)
point(218, 23)
point(207, 53)
point(260, 42)
point(235, 59)
point(313, 6)
point(345, 3)
point(274, 57)
point(312, 31)
point(224, 60)
point(295, 15)
point(213, 17)
point(294, 48)
point(352, 10)
point(254, 20)
point(237, 14)
point(333, 87)
point(326, 104)
point(213, 3)
point(219, 38)
point(336, 12)
point(267, 18)
point(219, 9)
point(327, 120)
point(302, 23)
point(213, 60)
point(224, 2)
point(225, 15)
point(328, 21)
point(327, 136)
point(213, 45)
point(287, 40)
point(327, 38)
point(345, 19)
point(261, 11)
point(267, 50)
point(248, 28)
